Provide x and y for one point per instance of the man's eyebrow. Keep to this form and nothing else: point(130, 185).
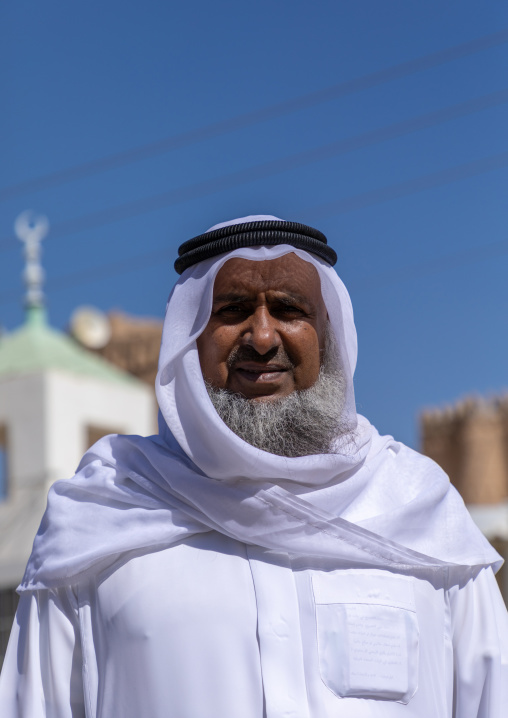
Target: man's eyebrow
point(284, 297)
point(289, 297)
point(231, 297)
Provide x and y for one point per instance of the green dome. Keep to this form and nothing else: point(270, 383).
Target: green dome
point(36, 347)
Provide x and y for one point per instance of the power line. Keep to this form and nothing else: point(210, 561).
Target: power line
point(435, 179)
point(439, 264)
point(83, 276)
point(418, 184)
point(147, 259)
point(248, 119)
point(405, 273)
point(273, 167)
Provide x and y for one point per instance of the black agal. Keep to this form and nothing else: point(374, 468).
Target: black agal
point(252, 234)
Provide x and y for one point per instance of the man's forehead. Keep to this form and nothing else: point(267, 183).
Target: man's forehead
point(288, 273)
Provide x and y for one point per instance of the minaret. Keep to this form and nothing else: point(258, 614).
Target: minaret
point(56, 399)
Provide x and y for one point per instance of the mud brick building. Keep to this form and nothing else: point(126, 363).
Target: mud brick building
point(469, 440)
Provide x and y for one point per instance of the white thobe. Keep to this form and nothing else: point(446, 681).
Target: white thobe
point(212, 628)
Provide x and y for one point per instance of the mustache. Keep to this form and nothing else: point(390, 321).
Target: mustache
point(248, 353)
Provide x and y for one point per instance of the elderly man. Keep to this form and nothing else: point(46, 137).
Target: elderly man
point(268, 553)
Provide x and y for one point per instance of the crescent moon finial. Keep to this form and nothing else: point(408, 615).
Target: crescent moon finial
point(31, 230)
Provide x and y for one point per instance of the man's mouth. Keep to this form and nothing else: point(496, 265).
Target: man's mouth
point(260, 372)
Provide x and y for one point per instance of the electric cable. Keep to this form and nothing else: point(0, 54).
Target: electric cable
point(449, 261)
point(270, 168)
point(254, 117)
point(402, 189)
point(362, 200)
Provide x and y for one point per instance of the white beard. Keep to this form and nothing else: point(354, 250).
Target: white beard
point(304, 422)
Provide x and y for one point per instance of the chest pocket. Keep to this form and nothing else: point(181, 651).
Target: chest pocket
point(367, 634)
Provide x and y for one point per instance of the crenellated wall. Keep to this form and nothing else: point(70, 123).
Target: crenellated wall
point(470, 441)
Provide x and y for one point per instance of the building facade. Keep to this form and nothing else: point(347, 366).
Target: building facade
point(469, 440)
point(56, 400)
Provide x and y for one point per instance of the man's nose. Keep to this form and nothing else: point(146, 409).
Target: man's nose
point(262, 331)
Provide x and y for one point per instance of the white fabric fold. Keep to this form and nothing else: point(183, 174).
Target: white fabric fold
point(375, 503)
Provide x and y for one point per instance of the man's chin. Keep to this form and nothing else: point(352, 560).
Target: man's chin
point(265, 398)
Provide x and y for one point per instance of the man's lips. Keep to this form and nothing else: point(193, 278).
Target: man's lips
point(260, 372)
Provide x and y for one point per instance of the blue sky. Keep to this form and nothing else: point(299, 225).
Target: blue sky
point(405, 171)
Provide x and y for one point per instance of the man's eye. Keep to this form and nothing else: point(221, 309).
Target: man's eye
point(230, 309)
point(290, 309)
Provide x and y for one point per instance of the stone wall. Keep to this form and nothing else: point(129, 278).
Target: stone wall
point(134, 345)
point(470, 442)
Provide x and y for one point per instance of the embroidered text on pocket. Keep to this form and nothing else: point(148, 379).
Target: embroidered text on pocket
point(367, 634)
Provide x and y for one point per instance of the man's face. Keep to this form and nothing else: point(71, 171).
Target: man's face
point(266, 332)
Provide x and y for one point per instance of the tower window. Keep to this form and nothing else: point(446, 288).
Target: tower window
point(8, 605)
point(3, 463)
point(94, 433)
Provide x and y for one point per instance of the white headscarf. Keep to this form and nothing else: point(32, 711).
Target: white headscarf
point(377, 504)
